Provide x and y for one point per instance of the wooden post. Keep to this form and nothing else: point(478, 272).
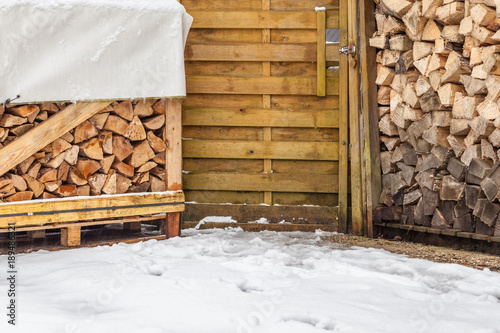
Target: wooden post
point(133, 226)
point(354, 119)
point(343, 122)
point(173, 128)
point(70, 236)
point(321, 51)
point(266, 102)
point(371, 147)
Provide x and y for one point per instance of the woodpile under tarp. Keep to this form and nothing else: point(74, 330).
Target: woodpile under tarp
point(120, 149)
point(438, 77)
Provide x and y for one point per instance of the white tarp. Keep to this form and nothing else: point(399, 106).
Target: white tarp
point(78, 50)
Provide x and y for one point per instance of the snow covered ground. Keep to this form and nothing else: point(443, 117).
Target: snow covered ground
point(235, 281)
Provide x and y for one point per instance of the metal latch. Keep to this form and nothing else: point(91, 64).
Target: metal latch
point(347, 49)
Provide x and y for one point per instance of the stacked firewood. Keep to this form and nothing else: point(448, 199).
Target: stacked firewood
point(119, 150)
point(438, 77)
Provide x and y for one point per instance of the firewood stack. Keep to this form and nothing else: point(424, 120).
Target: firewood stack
point(438, 77)
point(119, 150)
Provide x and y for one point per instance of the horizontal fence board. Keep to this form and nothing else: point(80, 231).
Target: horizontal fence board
point(222, 165)
point(90, 208)
point(305, 134)
point(290, 36)
point(226, 35)
point(223, 133)
point(222, 197)
point(274, 214)
point(225, 101)
point(296, 69)
point(258, 52)
point(302, 4)
point(230, 68)
point(306, 167)
point(257, 227)
point(315, 199)
point(261, 19)
point(261, 182)
point(304, 102)
point(319, 151)
point(260, 118)
point(221, 5)
point(258, 85)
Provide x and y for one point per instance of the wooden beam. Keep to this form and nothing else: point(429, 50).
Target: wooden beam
point(39, 212)
point(173, 136)
point(371, 147)
point(71, 236)
point(47, 132)
point(321, 53)
point(256, 227)
point(275, 182)
point(258, 85)
point(250, 52)
point(343, 123)
point(250, 117)
point(317, 151)
point(354, 119)
point(173, 128)
point(247, 213)
point(260, 19)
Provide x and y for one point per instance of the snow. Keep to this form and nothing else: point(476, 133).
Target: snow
point(235, 281)
point(78, 50)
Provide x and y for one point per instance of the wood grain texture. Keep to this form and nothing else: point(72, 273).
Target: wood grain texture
point(318, 151)
point(321, 53)
point(261, 182)
point(90, 208)
point(260, 117)
point(173, 128)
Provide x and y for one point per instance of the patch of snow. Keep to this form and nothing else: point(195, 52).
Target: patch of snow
point(234, 281)
point(320, 9)
point(262, 220)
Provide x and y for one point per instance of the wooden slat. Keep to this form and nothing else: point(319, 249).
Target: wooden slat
point(357, 215)
point(303, 4)
point(216, 19)
point(371, 158)
point(261, 182)
point(261, 19)
point(191, 5)
point(343, 123)
point(261, 52)
point(257, 85)
point(230, 68)
point(224, 197)
point(260, 118)
point(226, 35)
point(321, 53)
point(320, 151)
point(304, 102)
point(305, 134)
point(250, 52)
point(173, 128)
point(290, 36)
point(274, 214)
point(332, 52)
point(85, 209)
point(47, 132)
point(300, 199)
point(226, 101)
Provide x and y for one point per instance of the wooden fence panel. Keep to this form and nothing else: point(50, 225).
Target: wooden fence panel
point(255, 129)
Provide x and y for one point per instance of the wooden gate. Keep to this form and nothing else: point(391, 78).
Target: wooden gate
point(265, 130)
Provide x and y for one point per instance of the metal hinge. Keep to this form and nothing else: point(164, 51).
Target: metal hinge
point(347, 49)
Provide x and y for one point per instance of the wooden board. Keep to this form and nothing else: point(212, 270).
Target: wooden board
point(274, 214)
point(319, 151)
point(261, 182)
point(260, 118)
point(42, 212)
point(257, 85)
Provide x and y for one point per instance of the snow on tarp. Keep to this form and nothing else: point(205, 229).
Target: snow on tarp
point(77, 50)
